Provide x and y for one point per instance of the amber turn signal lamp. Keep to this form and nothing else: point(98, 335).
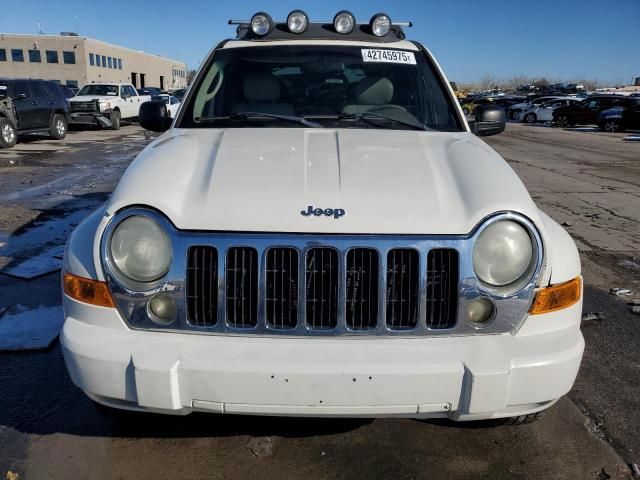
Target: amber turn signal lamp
point(86, 290)
point(557, 297)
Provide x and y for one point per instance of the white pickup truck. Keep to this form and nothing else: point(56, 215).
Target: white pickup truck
point(105, 104)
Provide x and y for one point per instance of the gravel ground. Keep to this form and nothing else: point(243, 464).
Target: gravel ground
point(49, 429)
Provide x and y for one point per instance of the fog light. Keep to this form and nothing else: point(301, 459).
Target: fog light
point(344, 22)
point(480, 311)
point(162, 309)
point(380, 24)
point(297, 21)
point(261, 24)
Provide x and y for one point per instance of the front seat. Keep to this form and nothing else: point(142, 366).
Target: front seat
point(371, 93)
point(262, 95)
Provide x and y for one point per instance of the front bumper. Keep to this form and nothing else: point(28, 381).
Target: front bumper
point(463, 378)
point(90, 118)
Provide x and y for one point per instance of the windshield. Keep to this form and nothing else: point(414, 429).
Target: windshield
point(102, 90)
point(333, 86)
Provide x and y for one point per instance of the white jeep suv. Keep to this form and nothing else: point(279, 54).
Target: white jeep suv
point(320, 232)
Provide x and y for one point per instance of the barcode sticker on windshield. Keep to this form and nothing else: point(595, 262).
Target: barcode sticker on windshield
point(388, 56)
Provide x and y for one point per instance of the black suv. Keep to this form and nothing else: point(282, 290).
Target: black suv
point(621, 117)
point(31, 106)
point(587, 111)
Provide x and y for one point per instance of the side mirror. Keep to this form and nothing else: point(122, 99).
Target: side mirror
point(490, 120)
point(154, 116)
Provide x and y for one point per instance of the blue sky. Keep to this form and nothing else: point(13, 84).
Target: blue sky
point(558, 39)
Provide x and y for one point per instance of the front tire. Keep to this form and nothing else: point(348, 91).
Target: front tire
point(530, 118)
point(563, 121)
point(115, 120)
point(8, 135)
point(59, 127)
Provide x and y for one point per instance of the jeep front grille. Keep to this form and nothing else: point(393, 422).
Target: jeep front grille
point(339, 290)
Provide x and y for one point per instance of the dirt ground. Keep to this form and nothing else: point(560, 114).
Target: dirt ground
point(49, 429)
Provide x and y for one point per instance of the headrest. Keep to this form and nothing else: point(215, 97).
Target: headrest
point(374, 91)
point(261, 87)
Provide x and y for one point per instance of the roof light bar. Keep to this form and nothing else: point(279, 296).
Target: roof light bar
point(261, 24)
point(380, 24)
point(344, 22)
point(297, 21)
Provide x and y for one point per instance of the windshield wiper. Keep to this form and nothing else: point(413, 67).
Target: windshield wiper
point(260, 116)
point(367, 116)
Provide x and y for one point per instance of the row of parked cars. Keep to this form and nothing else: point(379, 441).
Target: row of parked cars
point(44, 107)
point(612, 113)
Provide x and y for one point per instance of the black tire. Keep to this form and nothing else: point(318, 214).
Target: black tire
point(523, 419)
point(563, 121)
point(530, 118)
point(8, 134)
point(58, 128)
point(115, 120)
point(612, 126)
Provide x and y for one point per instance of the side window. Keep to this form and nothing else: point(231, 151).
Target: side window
point(174, 101)
point(124, 91)
point(132, 91)
point(21, 88)
point(119, 64)
point(104, 61)
point(37, 90)
point(50, 90)
point(98, 64)
point(91, 59)
point(72, 83)
point(3, 55)
point(110, 62)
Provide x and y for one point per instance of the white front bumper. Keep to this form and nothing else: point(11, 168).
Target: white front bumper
point(463, 378)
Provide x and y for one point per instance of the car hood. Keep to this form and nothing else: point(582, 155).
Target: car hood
point(261, 179)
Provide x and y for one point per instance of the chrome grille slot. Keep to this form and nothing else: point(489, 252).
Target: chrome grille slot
point(403, 283)
point(282, 287)
point(362, 288)
point(202, 286)
point(442, 288)
point(89, 106)
point(321, 277)
point(241, 272)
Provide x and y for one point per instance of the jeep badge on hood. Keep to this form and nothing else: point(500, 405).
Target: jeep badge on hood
point(327, 212)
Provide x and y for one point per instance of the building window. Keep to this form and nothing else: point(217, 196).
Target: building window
point(72, 83)
point(119, 64)
point(69, 57)
point(17, 55)
point(104, 61)
point(52, 56)
point(98, 61)
point(109, 61)
point(34, 56)
point(91, 60)
point(3, 55)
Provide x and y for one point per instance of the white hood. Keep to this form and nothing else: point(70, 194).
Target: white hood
point(259, 180)
point(90, 98)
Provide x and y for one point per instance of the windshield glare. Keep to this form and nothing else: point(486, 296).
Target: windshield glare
point(325, 83)
point(101, 90)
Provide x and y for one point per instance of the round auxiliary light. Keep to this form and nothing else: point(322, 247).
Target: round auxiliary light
point(261, 24)
point(344, 22)
point(162, 309)
point(140, 249)
point(297, 21)
point(479, 311)
point(503, 253)
point(380, 24)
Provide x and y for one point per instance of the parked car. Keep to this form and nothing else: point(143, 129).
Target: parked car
point(544, 112)
point(106, 104)
point(31, 106)
point(170, 101)
point(621, 118)
point(150, 91)
point(322, 238)
point(516, 111)
point(180, 93)
point(588, 111)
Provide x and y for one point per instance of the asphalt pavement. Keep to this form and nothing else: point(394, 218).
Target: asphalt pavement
point(49, 429)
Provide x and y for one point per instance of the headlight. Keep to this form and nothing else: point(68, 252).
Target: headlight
point(261, 24)
point(503, 253)
point(344, 22)
point(297, 21)
point(140, 249)
point(380, 24)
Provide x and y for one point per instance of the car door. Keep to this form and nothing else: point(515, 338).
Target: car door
point(632, 118)
point(42, 104)
point(25, 107)
point(589, 112)
point(134, 102)
point(125, 107)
